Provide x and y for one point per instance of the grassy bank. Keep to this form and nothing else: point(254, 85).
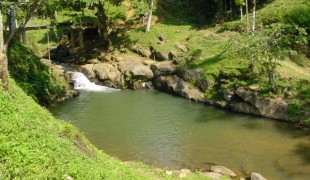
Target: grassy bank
point(35, 145)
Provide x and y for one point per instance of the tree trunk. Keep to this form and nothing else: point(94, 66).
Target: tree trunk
point(247, 15)
point(81, 39)
point(241, 14)
point(254, 14)
point(3, 58)
point(148, 26)
point(102, 17)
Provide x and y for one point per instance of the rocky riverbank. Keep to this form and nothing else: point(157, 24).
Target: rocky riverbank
point(135, 72)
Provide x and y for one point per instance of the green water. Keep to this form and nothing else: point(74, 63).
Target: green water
point(168, 131)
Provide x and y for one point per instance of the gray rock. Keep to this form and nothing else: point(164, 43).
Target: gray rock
point(213, 175)
point(257, 176)
point(223, 170)
point(163, 68)
point(192, 75)
point(244, 107)
point(141, 72)
point(149, 62)
point(161, 56)
point(175, 85)
point(107, 72)
point(267, 107)
point(141, 51)
point(228, 94)
point(88, 70)
point(205, 84)
point(126, 66)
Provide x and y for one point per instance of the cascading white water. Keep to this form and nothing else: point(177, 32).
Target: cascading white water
point(81, 82)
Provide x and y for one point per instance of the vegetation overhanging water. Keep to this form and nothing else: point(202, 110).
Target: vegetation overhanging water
point(171, 132)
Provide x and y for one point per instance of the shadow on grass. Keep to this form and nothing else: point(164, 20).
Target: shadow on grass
point(209, 61)
point(120, 40)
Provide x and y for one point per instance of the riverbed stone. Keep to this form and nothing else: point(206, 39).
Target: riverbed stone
point(228, 94)
point(257, 176)
point(175, 85)
point(128, 64)
point(205, 84)
point(87, 69)
point(223, 170)
point(192, 75)
point(255, 104)
point(213, 175)
point(163, 68)
point(107, 72)
point(141, 72)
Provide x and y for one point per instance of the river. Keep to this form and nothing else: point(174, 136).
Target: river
point(171, 132)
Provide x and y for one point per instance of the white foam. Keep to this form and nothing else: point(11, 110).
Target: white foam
point(82, 82)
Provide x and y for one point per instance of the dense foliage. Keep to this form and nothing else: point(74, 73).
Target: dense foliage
point(34, 77)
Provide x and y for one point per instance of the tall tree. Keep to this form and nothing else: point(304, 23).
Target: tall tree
point(253, 15)
point(3, 57)
point(149, 20)
point(31, 7)
point(247, 15)
point(240, 3)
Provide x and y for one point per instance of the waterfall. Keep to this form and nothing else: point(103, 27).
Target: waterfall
point(81, 82)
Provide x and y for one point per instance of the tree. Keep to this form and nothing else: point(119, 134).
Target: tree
point(149, 20)
point(31, 7)
point(247, 15)
point(3, 57)
point(240, 3)
point(253, 15)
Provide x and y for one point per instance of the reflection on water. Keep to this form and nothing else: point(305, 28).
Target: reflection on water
point(168, 131)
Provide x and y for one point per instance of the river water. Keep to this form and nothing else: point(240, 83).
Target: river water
point(171, 132)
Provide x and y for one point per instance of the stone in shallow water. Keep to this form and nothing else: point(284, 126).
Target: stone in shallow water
point(257, 176)
point(213, 175)
point(223, 170)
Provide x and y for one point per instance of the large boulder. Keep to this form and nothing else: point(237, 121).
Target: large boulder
point(135, 69)
point(163, 68)
point(223, 170)
point(127, 65)
point(109, 75)
point(175, 85)
point(205, 84)
point(141, 51)
point(88, 70)
point(141, 72)
point(161, 56)
point(192, 75)
point(255, 104)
